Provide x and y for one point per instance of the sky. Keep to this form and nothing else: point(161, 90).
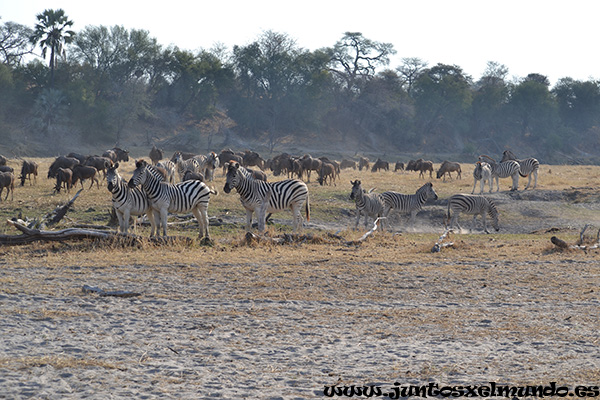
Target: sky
point(555, 39)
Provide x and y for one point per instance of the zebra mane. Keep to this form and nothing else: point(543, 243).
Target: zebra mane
point(488, 157)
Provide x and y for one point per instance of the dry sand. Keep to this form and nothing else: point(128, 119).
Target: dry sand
point(284, 329)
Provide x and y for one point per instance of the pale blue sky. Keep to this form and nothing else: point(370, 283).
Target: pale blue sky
point(556, 39)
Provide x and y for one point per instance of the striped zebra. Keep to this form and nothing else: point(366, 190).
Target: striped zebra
point(408, 203)
point(483, 173)
point(170, 168)
point(167, 198)
point(191, 164)
point(503, 170)
point(472, 204)
point(207, 164)
point(527, 167)
point(262, 197)
point(126, 201)
point(369, 204)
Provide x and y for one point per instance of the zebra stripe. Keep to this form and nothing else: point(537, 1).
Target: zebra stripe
point(408, 203)
point(290, 193)
point(167, 198)
point(527, 167)
point(126, 201)
point(503, 170)
point(369, 204)
point(207, 164)
point(190, 164)
point(472, 204)
point(170, 167)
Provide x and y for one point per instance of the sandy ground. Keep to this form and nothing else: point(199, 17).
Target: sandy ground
point(285, 330)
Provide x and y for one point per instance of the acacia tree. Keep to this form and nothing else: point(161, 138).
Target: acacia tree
point(409, 71)
point(355, 58)
point(51, 32)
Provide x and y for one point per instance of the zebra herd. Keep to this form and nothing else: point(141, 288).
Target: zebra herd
point(152, 192)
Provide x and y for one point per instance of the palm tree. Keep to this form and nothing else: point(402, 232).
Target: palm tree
point(51, 33)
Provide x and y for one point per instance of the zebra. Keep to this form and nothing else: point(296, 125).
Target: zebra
point(126, 201)
point(260, 197)
point(527, 167)
point(408, 203)
point(191, 164)
point(483, 173)
point(207, 164)
point(472, 204)
point(167, 198)
point(503, 170)
point(170, 168)
point(370, 204)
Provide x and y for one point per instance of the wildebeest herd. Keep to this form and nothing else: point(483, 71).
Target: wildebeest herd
point(179, 184)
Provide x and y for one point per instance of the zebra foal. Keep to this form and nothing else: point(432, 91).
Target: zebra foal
point(527, 167)
point(126, 201)
point(369, 204)
point(167, 198)
point(472, 204)
point(260, 197)
point(408, 203)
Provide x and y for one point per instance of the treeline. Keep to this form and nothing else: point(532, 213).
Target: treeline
point(101, 82)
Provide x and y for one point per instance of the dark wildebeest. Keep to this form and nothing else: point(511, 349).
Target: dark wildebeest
point(64, 177)
point(227, 155)
point(336, 165)
point(116, 154)
point(3, 160)
point(446, 168)
point(256, 174)
point(347, 164)
point(327, 171)
point(363, 163)
point(156, 155)
point(79, 157)
point(6, 168)
point(192, 176)
point(425, 166)
point(310, 164)
point(7, 180)
point(83, 172)
point(28, 168)
point(61, 162)
point(252, 158)
point(280, 164)
point(100, 163)
point(379, 165)
point(399, 166)
point(411, 165)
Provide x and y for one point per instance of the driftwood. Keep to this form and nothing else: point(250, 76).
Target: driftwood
point(30, 235)
point(561, 244)
point(114, 293)
point(61, 211)
point(438, 246)
point(366, 235)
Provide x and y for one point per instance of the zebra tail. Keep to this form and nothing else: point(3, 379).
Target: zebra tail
point(214, 191)
point(523, 175)
point(307, 208)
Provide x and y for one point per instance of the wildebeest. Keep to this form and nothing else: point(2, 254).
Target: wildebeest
point(100, 163)
point(363, 162)
point(327, 171)
point(310, 164)
point(83, 172)
point(379, 165)
point(7, 180)
point(78, 156)
point(347, 164)
point(3, 160)
point(446, 168)
point(281, 164)
point(61, 162)
point(116, 154)
point(399, 166)
point(227, 155)
point(64, 178)
point(256, 174)
point(6, 168)
point(252, 158)
point(192, 176)
point(156, 155)
point(423, 166)
point(28, 168)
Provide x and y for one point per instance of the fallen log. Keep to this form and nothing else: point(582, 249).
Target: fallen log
point(561, 244)
point(438, 246)
point(366, 235)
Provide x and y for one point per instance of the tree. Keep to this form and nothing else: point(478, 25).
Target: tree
point(410, 71)
point(490, 97)
point(14, 43)
point(51, 32)
point(355, 58)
